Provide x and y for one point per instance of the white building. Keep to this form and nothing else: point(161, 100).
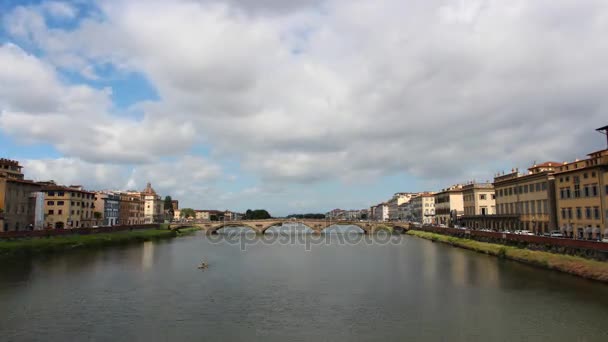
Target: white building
point(380, 212)
point(153, 211)
point(423, 208)
point(397, 200)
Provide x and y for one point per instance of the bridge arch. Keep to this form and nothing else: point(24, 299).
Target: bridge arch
point(214, 229)
point(363, 227)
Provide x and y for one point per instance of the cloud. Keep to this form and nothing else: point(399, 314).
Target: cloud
point(338, 89)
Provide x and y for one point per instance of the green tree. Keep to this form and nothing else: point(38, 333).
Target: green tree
point(168, 206)
point(258, 214)
point(187, 212)
point(97, 215)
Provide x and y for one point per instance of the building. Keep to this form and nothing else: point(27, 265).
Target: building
point(527, 201)
point(394, 203)
point(17, 197)
point(18, 203)
point(131, 209)
point(153, 205)
point(107, 204)
point(68, 207)
point(380, 212)
point(449, 205)
point(423, 208)
point(581, 189)
point(479, 205)
point(203, 215)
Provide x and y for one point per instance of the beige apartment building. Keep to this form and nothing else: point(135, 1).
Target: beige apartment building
point(423, 208)
point(581, 189)
point(479, 205)
point(527, 201)
point(449, 205)
point(68, 207)
point(17, 197)
point(397, 200)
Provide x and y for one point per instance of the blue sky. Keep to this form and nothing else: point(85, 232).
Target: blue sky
point(302, 106)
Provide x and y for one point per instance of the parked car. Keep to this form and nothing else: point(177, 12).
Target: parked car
point(605, 239)
point(524, 232)
point(557, 234)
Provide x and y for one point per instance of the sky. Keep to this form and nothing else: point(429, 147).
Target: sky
point(298, 106)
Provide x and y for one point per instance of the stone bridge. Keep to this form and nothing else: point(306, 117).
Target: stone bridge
point(317, 226)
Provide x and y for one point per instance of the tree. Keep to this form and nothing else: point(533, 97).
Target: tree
point(168, 206)
point(97, 215)
point(258, 214)
point(187, 212)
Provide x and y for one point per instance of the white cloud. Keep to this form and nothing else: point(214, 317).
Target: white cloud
point(334, 89)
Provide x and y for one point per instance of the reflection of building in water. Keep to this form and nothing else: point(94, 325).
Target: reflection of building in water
point(147, 257)
point(458, 262)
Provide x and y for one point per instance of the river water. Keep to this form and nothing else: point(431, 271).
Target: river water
point(334, 287)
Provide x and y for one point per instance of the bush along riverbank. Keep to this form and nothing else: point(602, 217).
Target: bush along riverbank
point(590, 269)
point(21, 247)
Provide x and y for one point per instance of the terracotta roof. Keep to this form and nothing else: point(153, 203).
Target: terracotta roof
point(547, 164)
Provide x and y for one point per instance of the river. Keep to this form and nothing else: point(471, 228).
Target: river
point(334, 287)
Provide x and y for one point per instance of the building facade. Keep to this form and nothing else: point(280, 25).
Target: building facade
point(107, 204)
point(68, 207)
point(400, 198)
point(17, 197)
point(530, 198)
point(131, 209)
point(153, 205)
point(380, 212)
point(423, 208)
point(449, 205)
point(581, 189)
point(479, 205)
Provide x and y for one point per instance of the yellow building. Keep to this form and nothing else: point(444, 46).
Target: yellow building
point(581, 189)
point(479, 205)
point(68, 207)
point(529, 197)
point(17, 201)
point(449, 205)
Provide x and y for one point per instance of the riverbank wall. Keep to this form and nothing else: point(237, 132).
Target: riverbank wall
point(575, 265)
point(75, 231)
point(67, 242)
point(583, 248)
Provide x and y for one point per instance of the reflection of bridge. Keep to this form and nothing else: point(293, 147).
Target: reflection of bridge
point(260, 226)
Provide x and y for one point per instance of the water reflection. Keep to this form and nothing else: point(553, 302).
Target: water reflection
point(147, 256)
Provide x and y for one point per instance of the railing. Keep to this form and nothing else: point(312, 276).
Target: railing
point(534, 239)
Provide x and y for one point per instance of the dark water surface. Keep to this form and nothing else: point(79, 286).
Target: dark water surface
point(409, 289)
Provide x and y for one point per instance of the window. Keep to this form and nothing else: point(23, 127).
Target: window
point(511, 190)
point(577, 190)
point(531, 187)
point(59, 212)
point(593, 174)
point(60, 193)
point(586, 190)
point(525, 189)
point(585, 175)
point(51, 193)
point(493, 196)
point(60, 203)
point(532, 208)
point(537, 186)
point(563, 213)
point(50, 203)
point(51, 212)
point(544, 186)
point(568, 179)
point(596, 213)
point(72, 212)
point(587, 212)
point(594, 190)
point(482, 197)
point(579, 213)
